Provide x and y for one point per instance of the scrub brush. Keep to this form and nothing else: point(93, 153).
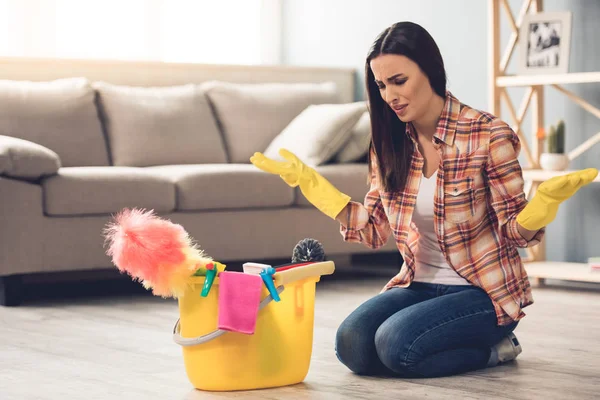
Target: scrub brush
point(308, 250)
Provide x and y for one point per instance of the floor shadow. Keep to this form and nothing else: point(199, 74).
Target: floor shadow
point(36, 294)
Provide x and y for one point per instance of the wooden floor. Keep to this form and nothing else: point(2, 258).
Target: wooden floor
point(118, 346)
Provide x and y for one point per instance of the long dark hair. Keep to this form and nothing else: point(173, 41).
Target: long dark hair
point(393, 149)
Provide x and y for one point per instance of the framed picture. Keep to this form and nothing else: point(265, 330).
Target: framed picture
point(545, 43)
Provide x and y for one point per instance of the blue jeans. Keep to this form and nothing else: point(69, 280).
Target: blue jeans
point(425, 330)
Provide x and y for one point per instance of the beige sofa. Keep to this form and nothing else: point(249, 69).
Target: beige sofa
point(81, 140)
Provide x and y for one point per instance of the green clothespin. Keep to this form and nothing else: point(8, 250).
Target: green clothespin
point(211, 272)
point(212, 269)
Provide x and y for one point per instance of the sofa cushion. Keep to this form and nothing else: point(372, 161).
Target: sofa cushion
point(350, 179)
point(159, 125)
point(23, 159)
point(251, 115)
point(103, 190)
point(318, 133)
point(357, 145)
point(60, 115)
point(225, 186)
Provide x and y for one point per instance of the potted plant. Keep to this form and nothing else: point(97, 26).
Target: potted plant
point(555, 158)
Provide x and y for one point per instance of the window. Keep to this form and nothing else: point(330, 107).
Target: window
point(196, 31)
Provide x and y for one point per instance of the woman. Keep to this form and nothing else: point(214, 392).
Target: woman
point(445, 182)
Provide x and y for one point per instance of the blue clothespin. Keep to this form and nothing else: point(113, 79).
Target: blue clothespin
point(267, 277)
point(211, 272)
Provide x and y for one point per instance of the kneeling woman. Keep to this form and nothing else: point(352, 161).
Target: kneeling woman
point(446, 184)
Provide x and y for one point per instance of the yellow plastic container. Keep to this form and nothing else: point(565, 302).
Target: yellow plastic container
point(277, 354)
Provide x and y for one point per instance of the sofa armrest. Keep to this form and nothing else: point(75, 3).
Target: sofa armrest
point(22, 159)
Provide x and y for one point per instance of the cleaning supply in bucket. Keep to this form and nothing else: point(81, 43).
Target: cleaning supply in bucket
point(157, 252)
point(254, 267)
point(303, 271)
point(308, 249)
point(239, 298)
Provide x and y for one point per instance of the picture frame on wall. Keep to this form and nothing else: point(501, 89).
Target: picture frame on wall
point(545, 43)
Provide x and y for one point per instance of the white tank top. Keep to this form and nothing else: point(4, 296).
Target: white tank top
point(431, 266)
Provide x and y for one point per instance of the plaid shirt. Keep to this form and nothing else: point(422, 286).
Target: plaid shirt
point(479, 194)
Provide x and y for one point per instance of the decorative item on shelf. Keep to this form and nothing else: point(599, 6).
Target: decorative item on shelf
point(545, 43)
point(555, 158)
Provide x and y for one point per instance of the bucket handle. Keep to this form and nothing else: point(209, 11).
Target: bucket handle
point(180, 340)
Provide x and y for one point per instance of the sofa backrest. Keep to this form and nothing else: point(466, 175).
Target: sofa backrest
point(148, 126)
point(134, 73)
point(122, 112)
point(252, 115)
point(60, 115)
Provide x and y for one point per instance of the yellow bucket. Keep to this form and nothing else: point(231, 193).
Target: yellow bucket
point(277, 354)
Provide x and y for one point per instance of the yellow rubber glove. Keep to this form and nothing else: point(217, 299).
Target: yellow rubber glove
point(318, 190)
point(542, 209)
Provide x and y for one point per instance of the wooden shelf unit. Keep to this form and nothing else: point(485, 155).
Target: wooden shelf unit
point(540, 175)
point(564, 271)
point(554, 79)
point(535, 262)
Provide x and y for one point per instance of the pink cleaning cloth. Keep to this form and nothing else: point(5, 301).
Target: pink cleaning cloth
point(239, 298)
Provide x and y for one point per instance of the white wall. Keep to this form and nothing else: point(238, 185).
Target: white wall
point(339, 33)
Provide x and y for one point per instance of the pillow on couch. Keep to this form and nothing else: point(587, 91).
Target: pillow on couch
point(318, 133)
point(252, 114)
point(24, 159)
point(357, 145)
point(149, 126)
point(60, 115)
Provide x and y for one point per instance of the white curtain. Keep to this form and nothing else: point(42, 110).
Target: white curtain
point(196, 31)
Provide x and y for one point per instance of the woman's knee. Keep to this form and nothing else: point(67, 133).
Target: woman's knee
point(395, 347)
point(354, 348)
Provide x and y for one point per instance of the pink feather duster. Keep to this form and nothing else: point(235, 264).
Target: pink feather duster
point(155, 251)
